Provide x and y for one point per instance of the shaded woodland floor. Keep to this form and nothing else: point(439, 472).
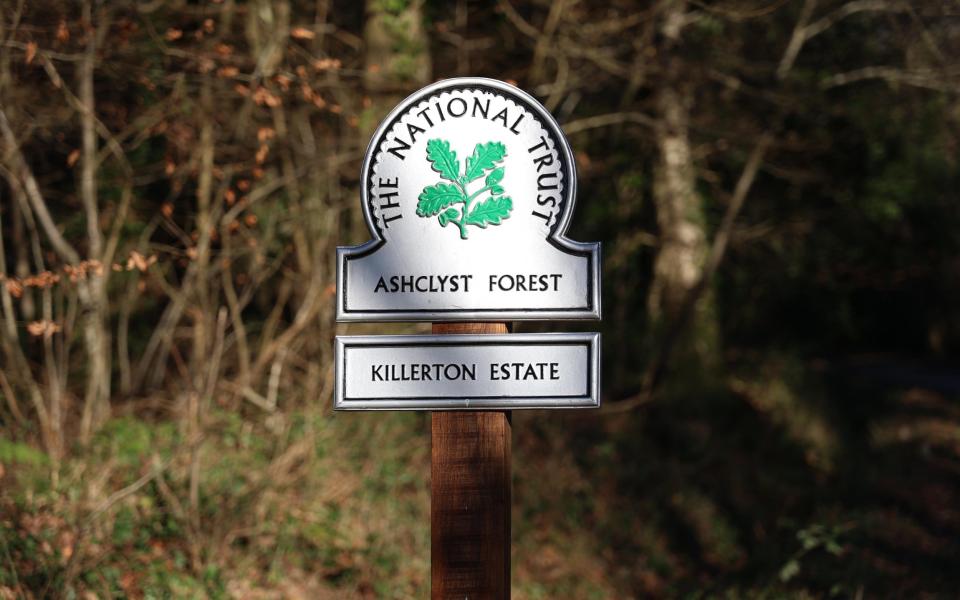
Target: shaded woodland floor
point(822, 479)
point(844, 483)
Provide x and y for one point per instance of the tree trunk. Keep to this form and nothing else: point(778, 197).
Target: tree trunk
point(398, 51)
point(682, 255)
point(397, 62)
point(92, 288)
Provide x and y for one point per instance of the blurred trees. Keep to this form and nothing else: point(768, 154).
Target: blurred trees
point(767, 177)
point(176, 176)
point(177, 205)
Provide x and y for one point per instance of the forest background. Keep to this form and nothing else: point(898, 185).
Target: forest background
point(775, 183)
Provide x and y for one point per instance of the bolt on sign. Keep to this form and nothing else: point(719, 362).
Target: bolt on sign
point(468, 189)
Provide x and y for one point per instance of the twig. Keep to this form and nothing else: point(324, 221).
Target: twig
point(11, 399)
point(249, 394)
point(852, 8)
point(128, 491)
point(803, 31)
point(23, 172)
point(923, 79)
point(12, 348)
point(607, 120)
point(544, 39)
point(236, 311)
point(305, 314)
point(519, 22)
point(797, 39)
point(88, 137)
point(70, 569)
point(274, 382)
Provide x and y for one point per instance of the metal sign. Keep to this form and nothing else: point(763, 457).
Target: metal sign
point(468, 187)
point(449, 372)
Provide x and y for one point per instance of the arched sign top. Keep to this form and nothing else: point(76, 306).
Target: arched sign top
point(468, 187)
point(447, 113)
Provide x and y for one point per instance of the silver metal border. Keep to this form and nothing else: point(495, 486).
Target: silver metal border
point(591, 400)
point(557, 235)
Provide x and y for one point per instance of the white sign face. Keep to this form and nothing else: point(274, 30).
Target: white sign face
point(450, 372)
point(468, 187)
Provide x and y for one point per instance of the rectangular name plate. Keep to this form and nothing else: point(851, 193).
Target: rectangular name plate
point(467, 372)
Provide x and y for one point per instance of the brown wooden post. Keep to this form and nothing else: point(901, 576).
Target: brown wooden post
point(470, 497)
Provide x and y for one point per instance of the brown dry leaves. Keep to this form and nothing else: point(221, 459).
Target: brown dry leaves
point(302, 33)
point(263, 96)
point(83, 270)
point(327, 64)
point(63, 34)
point(43, 328)
point(14, 287)
point(41, 280)
point(140, 262)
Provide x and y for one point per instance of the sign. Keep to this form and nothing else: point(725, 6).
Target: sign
point(467, 188)
point(446, 372)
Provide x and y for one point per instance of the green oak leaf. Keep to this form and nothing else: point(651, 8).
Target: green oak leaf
point(443, 159)
point(490, 212)
point(448, 216)
point(435, 198)
point(453, 202)
point(485, 156)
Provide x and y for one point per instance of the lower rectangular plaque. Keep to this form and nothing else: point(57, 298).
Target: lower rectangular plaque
point(467, 372)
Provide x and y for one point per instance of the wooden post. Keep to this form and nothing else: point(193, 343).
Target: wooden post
point(470, 497)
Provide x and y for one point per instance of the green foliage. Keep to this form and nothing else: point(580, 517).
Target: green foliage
point(13, 452)
point(815, 537)
point(128, 440)
point(392, 6)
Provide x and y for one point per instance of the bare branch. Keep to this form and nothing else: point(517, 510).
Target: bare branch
point(744, 183)
point(717, 250)
point(852, 8)
point(803, 32)
point(23, 172)
point(518, 21)
point(607, 120)
point(932, 80)
point(797, 39)
point(88, 160)
point(543, 41)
